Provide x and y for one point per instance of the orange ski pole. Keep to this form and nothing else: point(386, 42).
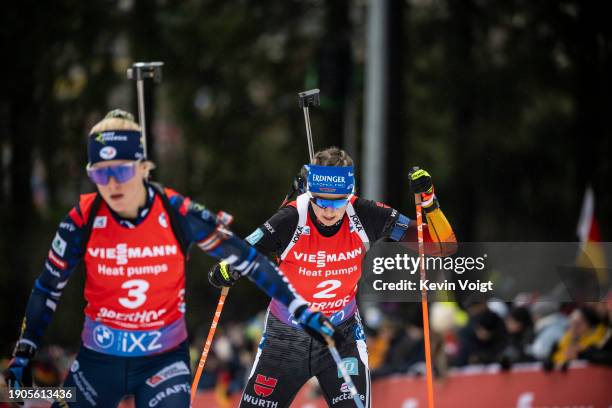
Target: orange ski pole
point(419, 216)
point(211, 334)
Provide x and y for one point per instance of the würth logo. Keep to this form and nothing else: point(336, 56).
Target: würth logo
point(264, 386)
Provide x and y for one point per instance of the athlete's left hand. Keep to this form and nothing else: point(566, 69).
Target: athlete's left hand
point(221, 276)
point(420, 183)
point(19, 372)
point(316, 324)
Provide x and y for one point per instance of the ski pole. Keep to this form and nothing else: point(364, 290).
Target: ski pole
point(424, 308)
point(306, 100)
point(331, 345)
point(138, 72)
point(207, 344)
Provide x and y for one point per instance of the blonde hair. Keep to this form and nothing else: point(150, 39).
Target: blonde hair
point(118, 119)
point(332, 156)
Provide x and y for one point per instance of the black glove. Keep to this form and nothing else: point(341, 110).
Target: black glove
point(298, 186)
point(221, 276)
point(299, 182)
point(420, 183)
point(19, 372)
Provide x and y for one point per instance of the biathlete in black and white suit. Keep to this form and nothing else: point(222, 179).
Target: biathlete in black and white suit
point(320, 240)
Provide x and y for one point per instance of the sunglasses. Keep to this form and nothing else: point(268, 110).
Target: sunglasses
point(334, 203)
point(121, 172)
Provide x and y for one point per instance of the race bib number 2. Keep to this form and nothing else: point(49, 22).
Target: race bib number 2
point(328, 286)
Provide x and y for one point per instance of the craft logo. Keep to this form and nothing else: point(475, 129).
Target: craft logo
point(269, 227)
point(264, 386)
point(67, 226)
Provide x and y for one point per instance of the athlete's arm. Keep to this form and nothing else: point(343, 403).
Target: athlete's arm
point(215, 238)
point(65, 254)
point(381, 221)
point(274, 235)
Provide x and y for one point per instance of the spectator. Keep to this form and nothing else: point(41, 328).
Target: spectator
point(602, 352)
point(378, 344)
point(406, 348)
point(549, 326)
point(483, 339)
point(519, 326)
point(585, 331)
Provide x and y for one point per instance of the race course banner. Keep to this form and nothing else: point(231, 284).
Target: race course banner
point(526, 387)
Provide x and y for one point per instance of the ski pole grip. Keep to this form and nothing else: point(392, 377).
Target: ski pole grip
point(309, 98)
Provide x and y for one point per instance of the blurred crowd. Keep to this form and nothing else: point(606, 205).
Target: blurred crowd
point(462, 335)
point(480, 333)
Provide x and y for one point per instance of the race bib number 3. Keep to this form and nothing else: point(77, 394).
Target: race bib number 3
point(136, 295)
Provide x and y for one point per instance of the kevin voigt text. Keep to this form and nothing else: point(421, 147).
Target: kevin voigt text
point(426, 284)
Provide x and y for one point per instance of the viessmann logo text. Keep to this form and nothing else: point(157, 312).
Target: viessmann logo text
point(321, 258)
point(122, 252)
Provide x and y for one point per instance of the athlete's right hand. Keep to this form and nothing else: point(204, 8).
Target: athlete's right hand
point(221, 276)
point(19, 372)
point(315, 323)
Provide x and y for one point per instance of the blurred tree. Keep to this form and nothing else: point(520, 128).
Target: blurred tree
point(59, 67)
point(588, 43)
point(397, 166)
point(334, 73)
point(463, 92)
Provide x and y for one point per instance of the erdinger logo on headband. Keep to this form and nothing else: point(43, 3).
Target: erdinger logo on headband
point(331, 179)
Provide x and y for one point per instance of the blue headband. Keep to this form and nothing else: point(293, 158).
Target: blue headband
point(115, 145)
point(331, 179)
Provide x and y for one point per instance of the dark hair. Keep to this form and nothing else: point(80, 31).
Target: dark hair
point(332, 156)
point(589, 315)
point(522, 315)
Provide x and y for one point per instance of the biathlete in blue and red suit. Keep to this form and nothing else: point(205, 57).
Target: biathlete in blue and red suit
point(321, 239)
point(133, 237)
